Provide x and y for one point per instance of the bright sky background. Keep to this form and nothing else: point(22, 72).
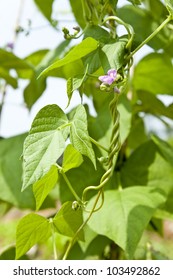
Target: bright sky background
point(15, 117)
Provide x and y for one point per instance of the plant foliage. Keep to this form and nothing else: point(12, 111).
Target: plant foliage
point(108, 175)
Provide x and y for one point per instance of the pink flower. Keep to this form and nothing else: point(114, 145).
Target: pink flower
point(109, 78)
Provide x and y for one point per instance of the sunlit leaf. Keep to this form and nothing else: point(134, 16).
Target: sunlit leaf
point(10, 61)
point(112, 55)
point(67, 221)
point(125, 214)
point(71, 159)
point(153, 105)
point(9, 79)
point(32, 229)
point(79, 134)
point(45, 7)
point(74, 84)
point(43, 187)
point(148, 78)
point(44, 144)
point(165, 149)
point(85, 47)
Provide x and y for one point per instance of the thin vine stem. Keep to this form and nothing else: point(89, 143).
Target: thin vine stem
point(151, 36)
point(70, 186)
point(81, 227)
point(53, 239)
point(127, 26)
point(98, 144)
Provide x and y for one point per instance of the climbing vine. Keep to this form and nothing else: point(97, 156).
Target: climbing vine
point(101, 169)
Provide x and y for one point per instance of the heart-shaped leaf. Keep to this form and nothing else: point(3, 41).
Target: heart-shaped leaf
point(44, 144)
point(125, 214)
point(31, 229)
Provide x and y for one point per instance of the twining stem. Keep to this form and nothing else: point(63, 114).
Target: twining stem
point(113, 150)
point(81, 227)
point(127, 26)
point(53, 239)
point(151, 36)
point(120, 21)
point(98, 144)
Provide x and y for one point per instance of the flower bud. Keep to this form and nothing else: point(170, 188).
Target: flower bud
point(65, 31)
point(104, 87)
point(77, 28)
point(75, 205)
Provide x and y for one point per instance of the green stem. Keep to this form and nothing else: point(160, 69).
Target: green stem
point(98, 144)
point(169, 18)
point(81, 227)
point(70, 186)
point(120, 21)
point(53, 239)
point(64, 126)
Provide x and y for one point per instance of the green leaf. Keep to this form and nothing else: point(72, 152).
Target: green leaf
point(42, 188)
point(92, 62)
point(148, 78)
point(45, 7)
point(11, 173)
point(32, 229)
point(137, 134)
point(125, 110)
point(9, 79)
point(164, 148)
point(74, 84)
point(135, 2)
point(140, 18)
point(44, 144)
point(36, 57)
point(32, 59)
point(125, 215)
point(98, 33)
point(80, 178)
point(52, 56)
point(112, 55)
point(34, 90)
point(79, 134)
point(147, 167)
point(9, 254)
point(76, 7)
point(10, 61)
point(71, 159)
point(67, 221)
point(157, 9)
point(163, 215)
point(82, 49)
point(151, 104)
